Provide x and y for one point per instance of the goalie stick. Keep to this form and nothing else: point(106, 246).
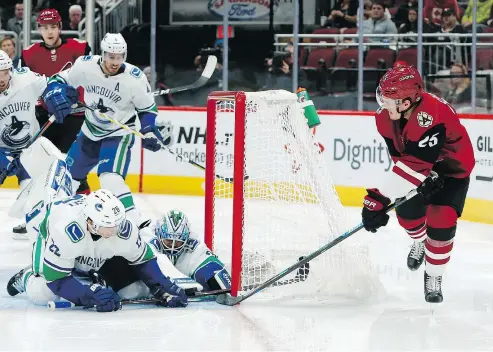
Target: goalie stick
point(301, 275)
point(38, 134)
point(231, 301)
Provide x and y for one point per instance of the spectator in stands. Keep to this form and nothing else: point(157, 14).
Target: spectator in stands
point(7, 44)
point(161, 100)
point(449, 53)
point(343, 14)
point(459, 88)
point(410, 26)
point(75, 16)
point(379, 24)
point(401, 16)
point(433, 10)
point(15, 23)
point(367, 13)
point(484, 15)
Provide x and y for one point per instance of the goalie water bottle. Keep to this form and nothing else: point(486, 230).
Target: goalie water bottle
point(308, 107)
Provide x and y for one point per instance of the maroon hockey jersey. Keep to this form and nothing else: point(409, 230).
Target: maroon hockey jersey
point(48, 61)
point(432, 139)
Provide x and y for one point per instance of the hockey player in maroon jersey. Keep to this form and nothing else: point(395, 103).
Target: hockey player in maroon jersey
point(423, 134)
point(53, 55)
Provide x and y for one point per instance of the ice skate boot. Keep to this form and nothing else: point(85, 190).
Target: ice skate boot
point(20, 232)
point(416, 255)
point(433, 289)
point(16, 282)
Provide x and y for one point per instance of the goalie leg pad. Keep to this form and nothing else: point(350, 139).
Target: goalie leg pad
point(40, 154)
point(212, 276)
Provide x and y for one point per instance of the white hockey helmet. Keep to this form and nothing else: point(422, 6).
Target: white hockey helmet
point(106, 213)
point(5, 61)
point(173, 231)
point(114, 43)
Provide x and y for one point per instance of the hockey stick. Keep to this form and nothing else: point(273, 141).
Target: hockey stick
point(209, 68)
point(38, 134)
point(231, 301)
point(301, 276)
point(163, 147)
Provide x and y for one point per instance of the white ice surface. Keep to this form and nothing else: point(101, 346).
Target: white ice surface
point(400, 321)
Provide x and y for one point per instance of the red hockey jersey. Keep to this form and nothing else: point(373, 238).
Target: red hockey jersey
point(48, 61)
point(432, 139)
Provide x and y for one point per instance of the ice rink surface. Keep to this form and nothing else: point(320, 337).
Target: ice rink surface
point(400, 320)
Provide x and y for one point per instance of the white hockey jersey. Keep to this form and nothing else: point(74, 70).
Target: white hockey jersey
point(195, 255)
point(17, 108)
point(69, 245)
point(121, 96)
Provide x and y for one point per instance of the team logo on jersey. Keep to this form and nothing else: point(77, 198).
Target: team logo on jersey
point(16, 134)
point(424, 119)
point(104, 109)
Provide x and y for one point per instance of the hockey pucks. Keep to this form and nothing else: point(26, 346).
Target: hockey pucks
point(424, 119)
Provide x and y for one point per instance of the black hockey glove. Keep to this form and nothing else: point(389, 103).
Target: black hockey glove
point(176, 298)
point(431, 185)
point(372, 214)
point(151, 144)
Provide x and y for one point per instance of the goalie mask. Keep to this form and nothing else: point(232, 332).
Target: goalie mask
point(105, 213)
point(173, 231)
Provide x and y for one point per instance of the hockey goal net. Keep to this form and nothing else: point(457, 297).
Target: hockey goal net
point(270, 198)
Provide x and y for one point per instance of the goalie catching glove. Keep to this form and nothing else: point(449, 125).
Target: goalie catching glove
point(163, 130)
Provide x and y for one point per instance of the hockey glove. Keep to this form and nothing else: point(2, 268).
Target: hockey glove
point(9, 165)
point(171, 297)
point(372, 214)
point(105, 299)
point(431, 185)
point(59, 99)
point(151, 144)
point(163, 130)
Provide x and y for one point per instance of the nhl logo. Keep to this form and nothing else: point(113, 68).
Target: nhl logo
point(424, 119)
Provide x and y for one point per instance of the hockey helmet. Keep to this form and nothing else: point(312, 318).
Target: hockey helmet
point(173, 231)
point(402, 82)
point(5, 61)
point(49, 16)
point(114, 43)
point(106, 212)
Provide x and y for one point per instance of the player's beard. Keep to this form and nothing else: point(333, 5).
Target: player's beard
point(111, 68)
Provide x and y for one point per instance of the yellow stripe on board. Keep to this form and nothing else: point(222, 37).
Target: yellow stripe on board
point(475, 210)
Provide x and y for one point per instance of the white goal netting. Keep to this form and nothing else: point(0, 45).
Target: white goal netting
point(290, 207)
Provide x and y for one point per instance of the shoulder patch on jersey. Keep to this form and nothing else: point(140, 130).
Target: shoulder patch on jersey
point(136, 72)
point(87, 58)
point(126, 230)
point(22, 70)
point(74, 232)
point(424, 119)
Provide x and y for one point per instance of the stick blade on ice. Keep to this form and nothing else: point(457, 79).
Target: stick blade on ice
point(228, 300)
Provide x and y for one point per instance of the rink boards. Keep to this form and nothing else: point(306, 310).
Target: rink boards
point(354, 150)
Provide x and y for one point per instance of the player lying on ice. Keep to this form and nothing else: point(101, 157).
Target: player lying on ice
point(78, 234)
point(190, 257)
point(120, 91)
point(423, 134)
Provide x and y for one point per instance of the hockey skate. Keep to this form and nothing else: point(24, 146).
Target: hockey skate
point(16, 283)
point(416, 256)
point(433, 289)
point(20, 232)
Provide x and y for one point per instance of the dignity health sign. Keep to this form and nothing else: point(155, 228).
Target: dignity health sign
point(199, 12)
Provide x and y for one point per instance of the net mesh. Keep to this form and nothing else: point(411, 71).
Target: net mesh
point(290, 205)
